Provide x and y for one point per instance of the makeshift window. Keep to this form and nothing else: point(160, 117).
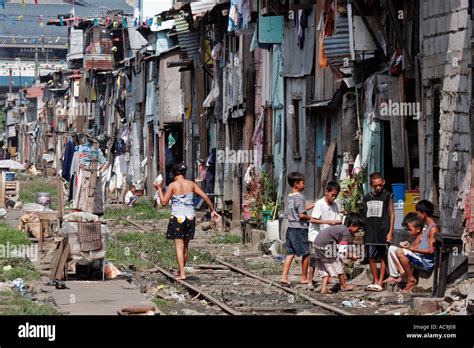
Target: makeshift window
point(295, 129)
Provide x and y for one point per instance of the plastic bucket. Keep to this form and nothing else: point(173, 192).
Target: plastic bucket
point(9, 176)
point(399, 192)
point(273, 230)
point(44, 199)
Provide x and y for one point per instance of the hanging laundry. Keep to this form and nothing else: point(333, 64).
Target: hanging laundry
point(171, 141)
point(67, 162)
point(301, 25)
point(327, 32)
point(257, 140)
point(239, 15)
point(86, 157)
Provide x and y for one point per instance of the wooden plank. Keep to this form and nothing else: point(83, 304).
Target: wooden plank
point(204, 294)
point(61, 271)
point(138, 310)
point(217, 267)
point(328, 159)
point(59, 187)
point(136, 224)
point(268, 309)
point(57, 256)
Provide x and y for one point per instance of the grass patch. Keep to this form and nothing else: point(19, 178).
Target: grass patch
point(20, 269)
point(160, 302)
point(30, 186)
point(225, 239)
point(11, 303)
point(24, 272)
point(127, 248)
point(12, 236)
point(144, 210)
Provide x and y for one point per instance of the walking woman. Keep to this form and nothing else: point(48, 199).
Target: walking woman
point(182, 221)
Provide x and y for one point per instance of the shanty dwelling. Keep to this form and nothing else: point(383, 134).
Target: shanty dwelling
point(298, 63)
point(444, 127)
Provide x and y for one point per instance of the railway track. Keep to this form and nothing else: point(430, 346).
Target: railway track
point(260, 295)
point(236, 291)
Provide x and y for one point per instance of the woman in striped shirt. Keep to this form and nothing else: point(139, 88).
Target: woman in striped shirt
point(182, 222)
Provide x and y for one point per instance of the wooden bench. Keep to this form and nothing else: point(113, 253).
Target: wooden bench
point(46, 218)
point(12, 189)
point(445, 245)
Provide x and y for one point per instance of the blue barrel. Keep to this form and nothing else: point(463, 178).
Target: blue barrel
point(9, 176)
point(399, 192)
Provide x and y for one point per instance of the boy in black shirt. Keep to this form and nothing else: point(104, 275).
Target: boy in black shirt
point(378, 228)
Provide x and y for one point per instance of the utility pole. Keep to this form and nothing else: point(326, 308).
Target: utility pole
point(36, 64)
point(10, 81)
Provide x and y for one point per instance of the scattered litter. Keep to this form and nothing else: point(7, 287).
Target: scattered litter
point(397, 313)
point(354, 304)
point(33, 208)
point(19, 284)
point(279, 258)
point(347, 304)
point(81, 216)
point(159, 287)
point(203, 302)
point(195, 258)
point(111, 272)
point(7, 268)
point(3, 213)
point(180, 298)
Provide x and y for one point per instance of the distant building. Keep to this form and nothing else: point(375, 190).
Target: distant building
point(29, 48)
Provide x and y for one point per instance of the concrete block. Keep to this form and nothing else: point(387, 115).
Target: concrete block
point(423, 305)
point(446, 124)
point(424, 8)
point(431, 10)
point(464, 145)
point(456, 84)
point(459, 103)
point(464, 4)
point(431, 26)
point(461, 123)
point(425, 51)
point(462, 19)
point(446, 7)
point(459, 40)
point(454, 5)
point(443, 156)
point(431, 46)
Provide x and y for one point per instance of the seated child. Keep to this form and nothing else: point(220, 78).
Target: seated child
point(327, 260)
point(419, 254)
point(130, 197)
